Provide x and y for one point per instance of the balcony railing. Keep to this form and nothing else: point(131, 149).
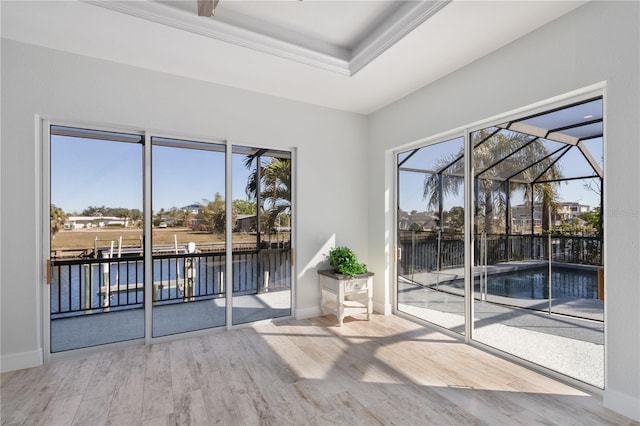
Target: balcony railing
point(91, 286)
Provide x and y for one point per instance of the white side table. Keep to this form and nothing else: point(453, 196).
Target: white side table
point(343, 295)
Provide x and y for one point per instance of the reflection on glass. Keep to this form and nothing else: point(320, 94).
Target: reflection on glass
point(261, 234)
point(431, 233)
point(188, 237)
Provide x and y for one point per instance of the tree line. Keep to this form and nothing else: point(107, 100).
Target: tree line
point(268, 192)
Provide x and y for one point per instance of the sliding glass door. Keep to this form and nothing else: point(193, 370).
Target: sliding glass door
point(96, 271)
point(218, 250)
point(189, 223)
point(261, 237)
point(430, 232)
point(535, 284)
point(538, 288)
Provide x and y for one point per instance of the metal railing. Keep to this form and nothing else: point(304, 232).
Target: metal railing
point(566, 249)
point(95, 285)
point(92, 286)
point(424, 251)
point(188, 277)
point(260, 272)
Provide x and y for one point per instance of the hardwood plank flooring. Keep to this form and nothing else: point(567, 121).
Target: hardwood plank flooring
point(387, 371)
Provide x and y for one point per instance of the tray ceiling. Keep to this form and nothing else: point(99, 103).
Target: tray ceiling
point(356, 56)
point(340, 36)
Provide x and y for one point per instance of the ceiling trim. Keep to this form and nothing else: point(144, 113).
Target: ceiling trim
point(401, 23)
point(209, 27)
point(398, 25)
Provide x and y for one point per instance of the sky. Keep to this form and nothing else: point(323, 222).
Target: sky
point(411, 184)
point(90, 172)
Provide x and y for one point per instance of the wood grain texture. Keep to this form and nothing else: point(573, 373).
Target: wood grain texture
point(298, 372)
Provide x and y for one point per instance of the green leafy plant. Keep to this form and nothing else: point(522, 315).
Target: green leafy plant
point(345, 262)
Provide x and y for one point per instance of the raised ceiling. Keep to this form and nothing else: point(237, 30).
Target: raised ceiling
point(355, 56)
point(340, 36)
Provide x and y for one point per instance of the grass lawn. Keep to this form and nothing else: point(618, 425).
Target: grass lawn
point(85, 238)
point(80, 239)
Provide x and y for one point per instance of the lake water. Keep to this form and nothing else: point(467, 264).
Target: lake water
point(76, 287)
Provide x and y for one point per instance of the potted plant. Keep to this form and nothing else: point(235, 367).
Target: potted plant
point(345, 261)
point(347, 289)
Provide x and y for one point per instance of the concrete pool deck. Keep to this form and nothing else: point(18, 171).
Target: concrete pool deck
point(569, 345)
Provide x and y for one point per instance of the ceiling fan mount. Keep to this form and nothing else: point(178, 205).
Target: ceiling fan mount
point(207, 7)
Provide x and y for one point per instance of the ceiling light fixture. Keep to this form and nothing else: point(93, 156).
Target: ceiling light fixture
point(207, 7)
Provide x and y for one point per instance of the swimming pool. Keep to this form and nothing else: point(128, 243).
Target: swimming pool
point(534, 283)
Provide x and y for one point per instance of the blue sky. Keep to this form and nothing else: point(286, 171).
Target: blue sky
point(184, 176)
point(412, 188)
point(572, 164)
point(90, 172)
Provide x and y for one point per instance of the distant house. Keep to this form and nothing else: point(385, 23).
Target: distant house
point(417, 221)
point(245, 223)
point(81, 222)
point(563, 211)
point(192, 208)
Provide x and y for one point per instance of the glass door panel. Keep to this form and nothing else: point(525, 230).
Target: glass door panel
point(262, 209)
point(537, 267)
point(97, 274)
point(188, 237)
point(431, 234)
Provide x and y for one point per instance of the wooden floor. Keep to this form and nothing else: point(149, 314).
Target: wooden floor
point(385, 371)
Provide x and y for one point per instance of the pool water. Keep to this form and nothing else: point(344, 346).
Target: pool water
point(534, 283)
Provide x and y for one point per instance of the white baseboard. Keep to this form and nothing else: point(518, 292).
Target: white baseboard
point(21, 360)
point(622, 403)
point(304, 313)
point(382, 308)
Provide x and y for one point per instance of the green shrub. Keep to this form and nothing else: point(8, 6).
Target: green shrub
point(345, 262)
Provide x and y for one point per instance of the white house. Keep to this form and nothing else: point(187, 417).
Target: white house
point(563, 211)
point(80, 222)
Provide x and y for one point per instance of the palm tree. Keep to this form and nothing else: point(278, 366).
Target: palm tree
point(57, 217)
point(498, 157)
point(275, 185)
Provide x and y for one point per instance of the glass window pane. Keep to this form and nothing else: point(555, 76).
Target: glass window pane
point(537, 240)
point(189, 222)
point(431, 234)
point(261, 235)
point(96, 238)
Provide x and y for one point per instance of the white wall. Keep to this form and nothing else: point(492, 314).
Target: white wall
point(596, 43)
point(65, 86)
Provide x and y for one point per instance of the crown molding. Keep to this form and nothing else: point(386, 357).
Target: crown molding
point(221, 31)
point(397, 26)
